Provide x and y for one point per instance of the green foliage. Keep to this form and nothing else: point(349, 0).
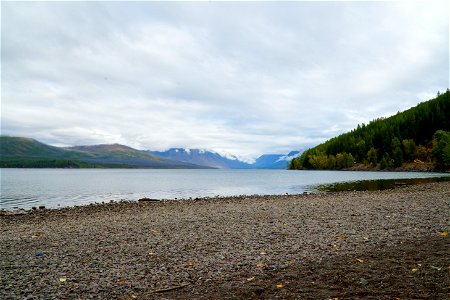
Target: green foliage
point(396, 137)
point(441, 150)
point(39, 163)
point(372, 157)
point(319, 161)
point(331, 162)
point(423, 153)
point(55, 163)
point(397, 157)
point(344, 160)
point(383, 163)
point(397, 153)
point(409, 148)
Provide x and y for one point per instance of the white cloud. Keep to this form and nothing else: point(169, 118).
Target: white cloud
point(235, 77)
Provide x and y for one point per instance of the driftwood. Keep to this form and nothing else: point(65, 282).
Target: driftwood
point(148, 200)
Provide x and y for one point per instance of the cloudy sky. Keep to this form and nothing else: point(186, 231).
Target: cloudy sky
point(240, 77)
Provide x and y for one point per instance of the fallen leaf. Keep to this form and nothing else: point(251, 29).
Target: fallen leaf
point(121, 281)
point(360, 260)
point(150, 253)
point(62, 279)
point(263, 253)
point(414, 270)
point(251, 278)
point(188, 264)
point(443, 233)
point(280, 286)
point(134, 296)
point(260, 265)
point(342, 237)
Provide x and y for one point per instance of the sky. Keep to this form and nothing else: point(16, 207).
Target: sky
point(242, 78)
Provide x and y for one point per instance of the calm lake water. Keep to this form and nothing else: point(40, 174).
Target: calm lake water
point(25, 188)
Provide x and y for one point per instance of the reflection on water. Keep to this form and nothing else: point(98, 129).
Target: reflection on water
point(375, 185)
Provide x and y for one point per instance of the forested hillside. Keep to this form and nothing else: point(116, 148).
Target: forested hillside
point(19, 152)
point(420, 134)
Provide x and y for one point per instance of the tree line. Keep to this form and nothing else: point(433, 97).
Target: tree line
point(419, 134)
point(55, 163)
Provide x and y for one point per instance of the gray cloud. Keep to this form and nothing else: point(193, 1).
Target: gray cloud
point(240, 77)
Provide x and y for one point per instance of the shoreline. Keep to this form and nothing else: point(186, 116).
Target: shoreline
point(390, 243)
point(359, 185)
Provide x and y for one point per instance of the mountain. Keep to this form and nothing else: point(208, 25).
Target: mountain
point(202, 158)
point(26, 152)
point(215, 160)
point(120, 154)
point(274, 161)
point(419, 136)
point(16, 147)
point(19, 152)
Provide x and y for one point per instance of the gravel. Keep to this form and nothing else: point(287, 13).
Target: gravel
point(237, 247)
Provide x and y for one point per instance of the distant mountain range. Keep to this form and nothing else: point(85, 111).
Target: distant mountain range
point(274, 161)
point(20, 152)
point(202, 158)
point(215, 160)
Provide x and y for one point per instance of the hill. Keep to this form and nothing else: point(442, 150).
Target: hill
point(120, 154)
point(13, 147)
point(419, 135)
point(19, 152)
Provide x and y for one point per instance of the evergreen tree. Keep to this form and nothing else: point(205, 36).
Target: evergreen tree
point(383, 163)
point(396, 137)
point(441, 150)
point(409, 148)
point(372, 157)
point(397, 153)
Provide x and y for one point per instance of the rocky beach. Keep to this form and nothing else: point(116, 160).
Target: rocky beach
point(390, 244)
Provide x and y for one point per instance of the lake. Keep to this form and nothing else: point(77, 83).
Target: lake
point(25, 188)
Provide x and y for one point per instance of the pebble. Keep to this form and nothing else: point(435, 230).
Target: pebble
point(203, 241)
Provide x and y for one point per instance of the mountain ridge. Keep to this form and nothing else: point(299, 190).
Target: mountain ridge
point(17, 152)
point(27, 152)
point(217, 160)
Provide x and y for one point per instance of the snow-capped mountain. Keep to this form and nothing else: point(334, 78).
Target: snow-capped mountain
point(203, 158)
point(274, 161)
point(213, 159)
